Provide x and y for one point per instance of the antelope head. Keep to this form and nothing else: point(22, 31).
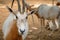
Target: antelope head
point(21, 17)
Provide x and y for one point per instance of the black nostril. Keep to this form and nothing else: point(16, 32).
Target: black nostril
point(22, 31)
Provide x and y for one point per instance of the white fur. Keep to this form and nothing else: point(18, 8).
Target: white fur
point(6, 28)
point(26, 32)
point(52, 26)
point(56, 21)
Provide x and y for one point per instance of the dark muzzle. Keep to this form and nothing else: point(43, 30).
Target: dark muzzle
point(22, 31)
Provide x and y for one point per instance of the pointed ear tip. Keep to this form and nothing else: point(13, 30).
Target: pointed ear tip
point(32, 11)
point(9, 9)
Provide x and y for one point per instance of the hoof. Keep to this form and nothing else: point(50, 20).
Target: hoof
point(49, 29)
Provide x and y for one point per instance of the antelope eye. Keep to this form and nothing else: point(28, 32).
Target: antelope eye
point(26, 17)
point(16, 17)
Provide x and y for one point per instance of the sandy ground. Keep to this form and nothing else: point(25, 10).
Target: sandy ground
point(34, 30)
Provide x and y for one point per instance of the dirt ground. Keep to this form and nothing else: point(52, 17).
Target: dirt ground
point(35, 32)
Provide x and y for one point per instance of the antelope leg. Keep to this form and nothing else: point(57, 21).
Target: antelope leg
point(57, 24)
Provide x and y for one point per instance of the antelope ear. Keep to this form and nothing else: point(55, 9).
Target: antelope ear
point(12, 11)
point(9, 9)
point(31, 12)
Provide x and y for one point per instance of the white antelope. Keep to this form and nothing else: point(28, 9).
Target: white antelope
point(15, 26)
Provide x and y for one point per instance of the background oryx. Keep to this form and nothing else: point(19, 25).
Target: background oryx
point(49, 12)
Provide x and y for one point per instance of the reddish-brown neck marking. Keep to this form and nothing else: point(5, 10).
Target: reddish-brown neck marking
point(13, 34)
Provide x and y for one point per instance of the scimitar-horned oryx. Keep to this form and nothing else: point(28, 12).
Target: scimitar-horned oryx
point(15, 26)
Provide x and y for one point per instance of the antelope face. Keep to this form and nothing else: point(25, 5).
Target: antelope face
point(22, 23)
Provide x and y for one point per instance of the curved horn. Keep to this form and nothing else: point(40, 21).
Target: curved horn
point(12, 3)
point(19, 7)
point(23, 3)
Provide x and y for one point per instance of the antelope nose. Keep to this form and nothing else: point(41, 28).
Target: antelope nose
point(22, 31)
